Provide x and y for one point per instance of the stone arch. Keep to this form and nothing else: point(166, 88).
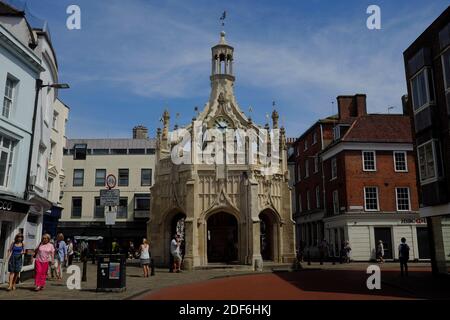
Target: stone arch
point(170, 220)
point(270, 234)
point(222, 237)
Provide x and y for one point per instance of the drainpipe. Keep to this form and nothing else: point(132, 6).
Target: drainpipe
point(33, 128)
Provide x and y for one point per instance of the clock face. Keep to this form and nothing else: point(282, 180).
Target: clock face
point(222, 123)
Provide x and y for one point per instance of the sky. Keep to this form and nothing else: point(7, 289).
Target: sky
point(132, 59)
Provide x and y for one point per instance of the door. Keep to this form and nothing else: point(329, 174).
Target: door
point(423, 244)
point(385, 235)
point(222, 238)
point(5, 231)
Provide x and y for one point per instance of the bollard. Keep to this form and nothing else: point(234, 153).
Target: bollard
point(309, 258)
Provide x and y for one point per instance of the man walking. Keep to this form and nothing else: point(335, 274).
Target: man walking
point(403, 254)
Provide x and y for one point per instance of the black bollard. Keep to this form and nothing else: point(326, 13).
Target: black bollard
point(84, 278)
point(152, 265)
point(309, 258)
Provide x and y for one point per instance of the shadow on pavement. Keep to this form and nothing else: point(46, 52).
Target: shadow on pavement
point(418, 285)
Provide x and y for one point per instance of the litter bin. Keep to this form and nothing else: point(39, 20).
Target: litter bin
point(111, 272)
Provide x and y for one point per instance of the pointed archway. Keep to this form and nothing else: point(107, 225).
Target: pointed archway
point(269, 235)
point(222, 238)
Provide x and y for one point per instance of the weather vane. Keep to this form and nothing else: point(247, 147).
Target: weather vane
point(223, 17)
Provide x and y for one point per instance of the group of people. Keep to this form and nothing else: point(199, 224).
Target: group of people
point(324, 252)
point(50, 256)
point(403, 255)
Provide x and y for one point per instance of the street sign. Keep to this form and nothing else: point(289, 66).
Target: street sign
point(109, 197)
point(110, 216)
point(111, 181)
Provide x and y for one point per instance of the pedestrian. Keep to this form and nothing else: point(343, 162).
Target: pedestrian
point(175, 251)
point(342, 253)
point(323, 248)
point(43, 255)
point(115, 247)
point(145, 257)
point(61, 255)
point(70, 252)
point(348, 251)
point(15, 260)
point(403, 254)
point(131, 250)
point(380, 251)
point(52, 266)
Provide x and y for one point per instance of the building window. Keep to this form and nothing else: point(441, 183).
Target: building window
point(6, 160)
point(316, 164)
point(99, 211)
point(337, 132)
point(300, 203)
point(122, 210)
point(400, 161)
point(314, 138)
point(427, 161)
point(306, 168)
point(371, 198)
point(335, 202)
point(333, 168)
point(78, 177)
point(8, 99)
point(79, 151)
point(77, 204)
point(369, 161)
point(146, 177)
point(308, 203)
point(41, 170)
point(446, 67)
point(100, 177)
point(123, 177)
point(306, 145)
point(299, 173)
point(422, 89)
point(317, 197)
point(403, 201)
point(142, 205)
point(55, 121)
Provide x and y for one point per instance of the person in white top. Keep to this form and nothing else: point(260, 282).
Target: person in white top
point(175, 251)
point(145, 257)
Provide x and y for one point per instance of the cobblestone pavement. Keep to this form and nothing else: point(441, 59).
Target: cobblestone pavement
point(136, 284)
point(328, 281)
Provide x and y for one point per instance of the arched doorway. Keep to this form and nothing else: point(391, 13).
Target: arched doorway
point(177, 227)
point(268, 235)
point(222, 238)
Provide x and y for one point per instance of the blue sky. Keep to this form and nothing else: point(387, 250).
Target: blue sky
point(133, 58)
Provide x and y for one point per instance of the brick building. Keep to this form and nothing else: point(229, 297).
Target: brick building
point(427, 66)
point(308, 200)
point(366, 168)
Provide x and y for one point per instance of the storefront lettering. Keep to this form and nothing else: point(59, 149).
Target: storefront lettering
point(6, 206)
point(414, 221)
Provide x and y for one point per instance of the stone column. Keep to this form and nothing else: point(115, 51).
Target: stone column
point(254, 226)
point(437, 250)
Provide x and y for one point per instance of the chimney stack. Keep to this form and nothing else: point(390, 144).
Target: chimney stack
point(140, 132)
point(352, 106)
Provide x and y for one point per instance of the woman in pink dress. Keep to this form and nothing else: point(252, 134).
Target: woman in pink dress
point(44, 254)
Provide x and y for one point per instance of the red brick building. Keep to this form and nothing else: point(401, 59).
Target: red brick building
point(308, 201)
point(368, 175)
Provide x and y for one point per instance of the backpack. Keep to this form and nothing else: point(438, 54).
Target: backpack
point(404, 251)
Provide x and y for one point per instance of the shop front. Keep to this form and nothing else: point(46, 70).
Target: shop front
point(365, 231)
point(13, 214)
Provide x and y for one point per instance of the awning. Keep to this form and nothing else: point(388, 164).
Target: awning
point(13, 204)
point(54, 212)
point(86, 238)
